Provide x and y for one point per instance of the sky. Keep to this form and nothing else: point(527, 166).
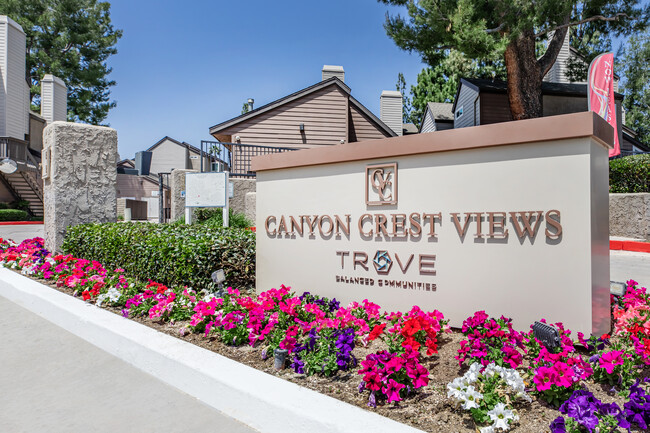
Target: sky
point(183, 66)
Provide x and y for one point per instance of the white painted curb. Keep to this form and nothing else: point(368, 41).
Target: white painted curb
point(262, 401)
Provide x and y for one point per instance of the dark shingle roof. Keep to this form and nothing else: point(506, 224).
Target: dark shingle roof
point(548, 88)
point(441, 110)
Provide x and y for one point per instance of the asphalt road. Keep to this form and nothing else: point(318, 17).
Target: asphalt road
point(52, 381)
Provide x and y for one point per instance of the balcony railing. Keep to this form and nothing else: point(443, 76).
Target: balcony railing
point(235, 157)
point(18, 150)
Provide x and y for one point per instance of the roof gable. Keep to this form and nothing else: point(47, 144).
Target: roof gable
point(333, 81)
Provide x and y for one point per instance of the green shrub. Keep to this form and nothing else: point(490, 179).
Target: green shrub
point(630, 174)
point(172, 254)
point(20, 204)
point(13, 215)
point(4, 205)
point(214, 218)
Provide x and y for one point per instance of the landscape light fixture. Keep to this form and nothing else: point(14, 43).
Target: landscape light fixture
point(547, 334)
point(617, 288)
point(8, 166)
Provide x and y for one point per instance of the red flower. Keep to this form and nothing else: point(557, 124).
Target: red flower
point(376, 332)
point(85, 295)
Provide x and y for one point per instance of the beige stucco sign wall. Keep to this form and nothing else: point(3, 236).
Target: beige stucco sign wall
point(509, 218)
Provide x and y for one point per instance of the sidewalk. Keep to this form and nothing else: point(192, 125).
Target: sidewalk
point(627, 264)
point(52, 381)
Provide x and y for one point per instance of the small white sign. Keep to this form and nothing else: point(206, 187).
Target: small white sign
point(206, 189)
point(194, 156)
point(154, 193)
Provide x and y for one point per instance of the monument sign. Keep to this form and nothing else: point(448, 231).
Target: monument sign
point(510, 218)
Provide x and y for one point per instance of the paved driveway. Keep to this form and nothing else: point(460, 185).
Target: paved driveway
point(52, 381)
point(19, 233)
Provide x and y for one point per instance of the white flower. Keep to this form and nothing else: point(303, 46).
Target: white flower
point(470, 397)
point(100, 299)
point(113, 294)
point(27, 270)
point(473, 373)
point(456, 388)
point(501, 415)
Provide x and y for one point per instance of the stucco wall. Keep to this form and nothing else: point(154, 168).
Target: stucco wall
point(79, 177)
point(177, 188)
point(250, 206)
point(629, 215)
point(241, 187)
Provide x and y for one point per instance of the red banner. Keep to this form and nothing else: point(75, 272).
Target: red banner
point(600, 93)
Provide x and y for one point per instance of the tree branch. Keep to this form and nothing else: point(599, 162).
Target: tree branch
point(586, 20)
point(550, 56)
point(496, 29)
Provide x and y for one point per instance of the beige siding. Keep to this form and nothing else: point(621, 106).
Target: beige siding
point(168, 156)
point(134, 186)
point(14, 103)
point(323, 113)
point(362, 128)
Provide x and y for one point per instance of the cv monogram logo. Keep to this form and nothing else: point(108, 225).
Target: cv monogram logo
point(381, 184)
point(380, 181)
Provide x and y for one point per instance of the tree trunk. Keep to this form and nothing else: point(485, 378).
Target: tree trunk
point(524, 78)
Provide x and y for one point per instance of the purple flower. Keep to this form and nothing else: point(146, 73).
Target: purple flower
point(298, 365)
point(558, 426)
point(372, 402)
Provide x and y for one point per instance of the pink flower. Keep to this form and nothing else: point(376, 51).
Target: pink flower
point(610, 360)
point(564, 374)
point(392, 390)
point(544, 378)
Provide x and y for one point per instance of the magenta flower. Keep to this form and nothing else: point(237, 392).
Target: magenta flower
point(610, 360)
point(392, 390)
point(544, 378)
point(564, 374)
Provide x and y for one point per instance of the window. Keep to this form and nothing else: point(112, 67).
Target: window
point(459, 112)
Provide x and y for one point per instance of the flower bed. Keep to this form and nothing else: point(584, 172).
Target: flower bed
point(406, 365)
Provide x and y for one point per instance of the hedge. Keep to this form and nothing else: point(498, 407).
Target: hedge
point(172, 254)
point(630, 174)
point(13, 215)
point(214, 217)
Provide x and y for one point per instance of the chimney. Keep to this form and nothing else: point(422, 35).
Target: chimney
point(330, 71)
point(390, 108)
point(54, 99)
point(14, 91)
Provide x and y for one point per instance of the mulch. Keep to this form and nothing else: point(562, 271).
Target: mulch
point(429, 409)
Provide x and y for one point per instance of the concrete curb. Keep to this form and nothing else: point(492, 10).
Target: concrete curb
point(262, 401)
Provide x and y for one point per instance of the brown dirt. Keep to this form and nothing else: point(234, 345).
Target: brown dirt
point(429, 410)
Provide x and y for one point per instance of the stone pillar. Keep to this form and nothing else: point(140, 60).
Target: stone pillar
point(240, 187)
point(178, 188)
point(249, 208)
point(79, 178)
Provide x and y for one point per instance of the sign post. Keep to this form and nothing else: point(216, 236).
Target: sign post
point(206, 190)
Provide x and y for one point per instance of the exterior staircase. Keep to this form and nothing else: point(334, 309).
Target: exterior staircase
point(26, 186)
